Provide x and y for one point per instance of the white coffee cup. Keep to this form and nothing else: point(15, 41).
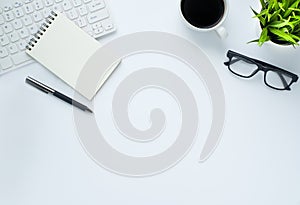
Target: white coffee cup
point(217, 27)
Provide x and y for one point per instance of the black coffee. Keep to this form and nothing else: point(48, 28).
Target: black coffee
point(203, 13)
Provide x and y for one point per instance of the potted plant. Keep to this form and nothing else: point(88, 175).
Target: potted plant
point(279, 21)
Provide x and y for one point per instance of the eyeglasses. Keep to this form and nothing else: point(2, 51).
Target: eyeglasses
point(246, 67)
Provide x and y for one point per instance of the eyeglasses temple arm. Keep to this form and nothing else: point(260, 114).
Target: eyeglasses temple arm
point(231, 62)
point(283, 80)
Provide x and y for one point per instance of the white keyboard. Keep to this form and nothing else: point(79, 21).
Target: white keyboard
point(21, 19)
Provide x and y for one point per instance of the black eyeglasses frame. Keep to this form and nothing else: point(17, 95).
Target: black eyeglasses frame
point(262, 66)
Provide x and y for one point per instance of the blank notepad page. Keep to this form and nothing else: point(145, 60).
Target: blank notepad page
point(63, 48)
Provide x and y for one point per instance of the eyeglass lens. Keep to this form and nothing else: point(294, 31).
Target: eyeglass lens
point(246, 68)
point(277, 80)
point(242, 67)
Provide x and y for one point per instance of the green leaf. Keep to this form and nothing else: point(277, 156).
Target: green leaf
point(275, 5)
point(285, 30)
point(281, 6)
point(274, 16)
point(261, 17)
point(290, 9)
point(255, 13)
point(269, 17)
point(253, 41)
point(297, 38)
point(294, 9)
point(278, 24)
point(282, 35)
point(297, 30)
point(296, 17)
point(262, 13)
point(295, 4)
point(263, 3)
point(291, 2)
point(263, 37)
point(285, 4)
point(280, 16)
point(283, 23)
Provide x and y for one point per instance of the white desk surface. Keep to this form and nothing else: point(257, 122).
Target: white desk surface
point(256, 162)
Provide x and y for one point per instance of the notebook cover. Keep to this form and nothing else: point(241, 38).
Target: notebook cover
point(63, 48)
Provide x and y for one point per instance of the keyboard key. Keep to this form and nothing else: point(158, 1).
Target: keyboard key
point(98, 30)
point(82, 10)
point(46, 12)
point(3, 52)
point(18, 12)
point(12, 48)
point(7, 7)
point(76, 2)
point(48, 2)
point(20, 58)
point(57, 8)
point(107, 24)
point(66, 5)
point(6, 63)
point(87, 1)
point(88, 29)
point(22, 44)
point(39, 24)
point(28, 8)
point(7, 28)
point(97, 16)
point(17, 24)
point(37, 16)
point(81, 22)
point(13, 36)
point(96, 5)
point(27, 20)
point(38, 5)
point(72, 14)
point(91, 33)
point(33, 29)
point(27, 40)
point(1, 20)
point(28, 1)
point(4, 40)
point(18, 4)
point(23, 33)
point(96, 25)
point(9, 16)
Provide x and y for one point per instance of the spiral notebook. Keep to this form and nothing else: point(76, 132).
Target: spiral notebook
point(63, 48)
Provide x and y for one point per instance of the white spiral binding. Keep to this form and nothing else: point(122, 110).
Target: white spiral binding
point(41, 31)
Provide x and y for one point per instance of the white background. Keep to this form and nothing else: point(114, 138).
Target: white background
point(256, 162)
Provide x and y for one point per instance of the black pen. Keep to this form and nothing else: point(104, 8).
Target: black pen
point(48, 90)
